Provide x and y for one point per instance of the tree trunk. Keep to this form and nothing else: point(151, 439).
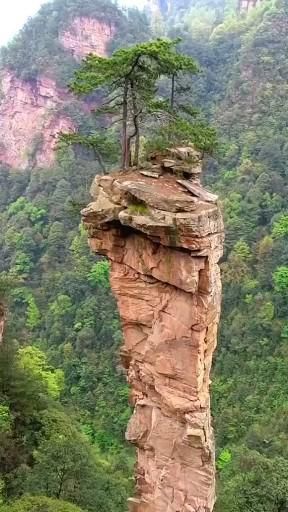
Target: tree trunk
point(125, 152)
point(136, 134)
point(100, 161)
point(2, 321)
point(172, 92)
point(137, 149)
point(61, 475)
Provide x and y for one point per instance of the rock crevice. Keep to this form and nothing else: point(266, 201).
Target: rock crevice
point(163, 234)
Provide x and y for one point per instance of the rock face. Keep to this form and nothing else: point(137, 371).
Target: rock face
point(164, 242)
point(30, 112)
point(247, 5)
point(87, 35)
point(28, 123)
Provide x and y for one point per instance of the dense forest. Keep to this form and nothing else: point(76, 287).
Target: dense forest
point(63, 397)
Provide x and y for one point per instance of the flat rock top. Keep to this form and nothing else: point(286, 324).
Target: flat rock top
point(175, 212)
point(166, 192)
point(166, 184)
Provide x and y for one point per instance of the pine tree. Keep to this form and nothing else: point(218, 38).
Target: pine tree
point(130, 84)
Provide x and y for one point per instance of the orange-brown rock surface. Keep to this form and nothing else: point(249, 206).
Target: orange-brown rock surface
point(31, 112)
point(164, 242)
point(87, 35)
point(28, 122)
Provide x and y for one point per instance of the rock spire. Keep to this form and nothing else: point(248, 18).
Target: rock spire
point(163, 234)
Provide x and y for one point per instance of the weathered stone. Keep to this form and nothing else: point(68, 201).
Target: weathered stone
point(194, 170)
point(187, 153)
point(164, 251)
point(168, 163)
point(87, 35)
point(103, 210)
point(150, 174)
point(177, 230)
point(198, 191)
point(32, 112)
point(28, 110)
point(173, 267)
point(163, 195)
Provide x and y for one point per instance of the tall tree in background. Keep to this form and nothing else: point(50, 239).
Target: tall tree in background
point(6, 284)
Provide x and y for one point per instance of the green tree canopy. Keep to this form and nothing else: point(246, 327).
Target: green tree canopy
point(130, 84)
point(40, 504)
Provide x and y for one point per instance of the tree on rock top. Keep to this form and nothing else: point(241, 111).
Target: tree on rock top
point(137, 98)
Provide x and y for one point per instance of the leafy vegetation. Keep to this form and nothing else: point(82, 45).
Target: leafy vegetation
point(63, 399)
point(131, 78)
point(249, 386)
point(38, 504)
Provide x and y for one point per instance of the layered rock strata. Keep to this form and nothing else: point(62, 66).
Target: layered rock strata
point(87, 35)
point(163, 234)
point(29, 121)
point(32, 112)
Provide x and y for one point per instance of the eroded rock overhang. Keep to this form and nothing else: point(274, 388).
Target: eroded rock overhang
point(163, 234)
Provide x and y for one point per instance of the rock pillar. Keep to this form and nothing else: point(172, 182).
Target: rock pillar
point(163, 234)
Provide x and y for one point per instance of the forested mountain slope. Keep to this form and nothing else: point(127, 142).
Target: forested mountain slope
point(61, 431)
point(250, 375)
point(60, 301)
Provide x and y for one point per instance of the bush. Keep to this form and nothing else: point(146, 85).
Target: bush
point(39, 504)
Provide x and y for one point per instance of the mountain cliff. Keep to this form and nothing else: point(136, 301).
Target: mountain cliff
point(30, 120)
point(31, 111)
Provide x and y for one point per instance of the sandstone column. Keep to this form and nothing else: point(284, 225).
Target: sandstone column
point(163, 234)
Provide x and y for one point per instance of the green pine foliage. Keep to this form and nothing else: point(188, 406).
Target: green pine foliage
point(132, 80)
point(39, 504)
